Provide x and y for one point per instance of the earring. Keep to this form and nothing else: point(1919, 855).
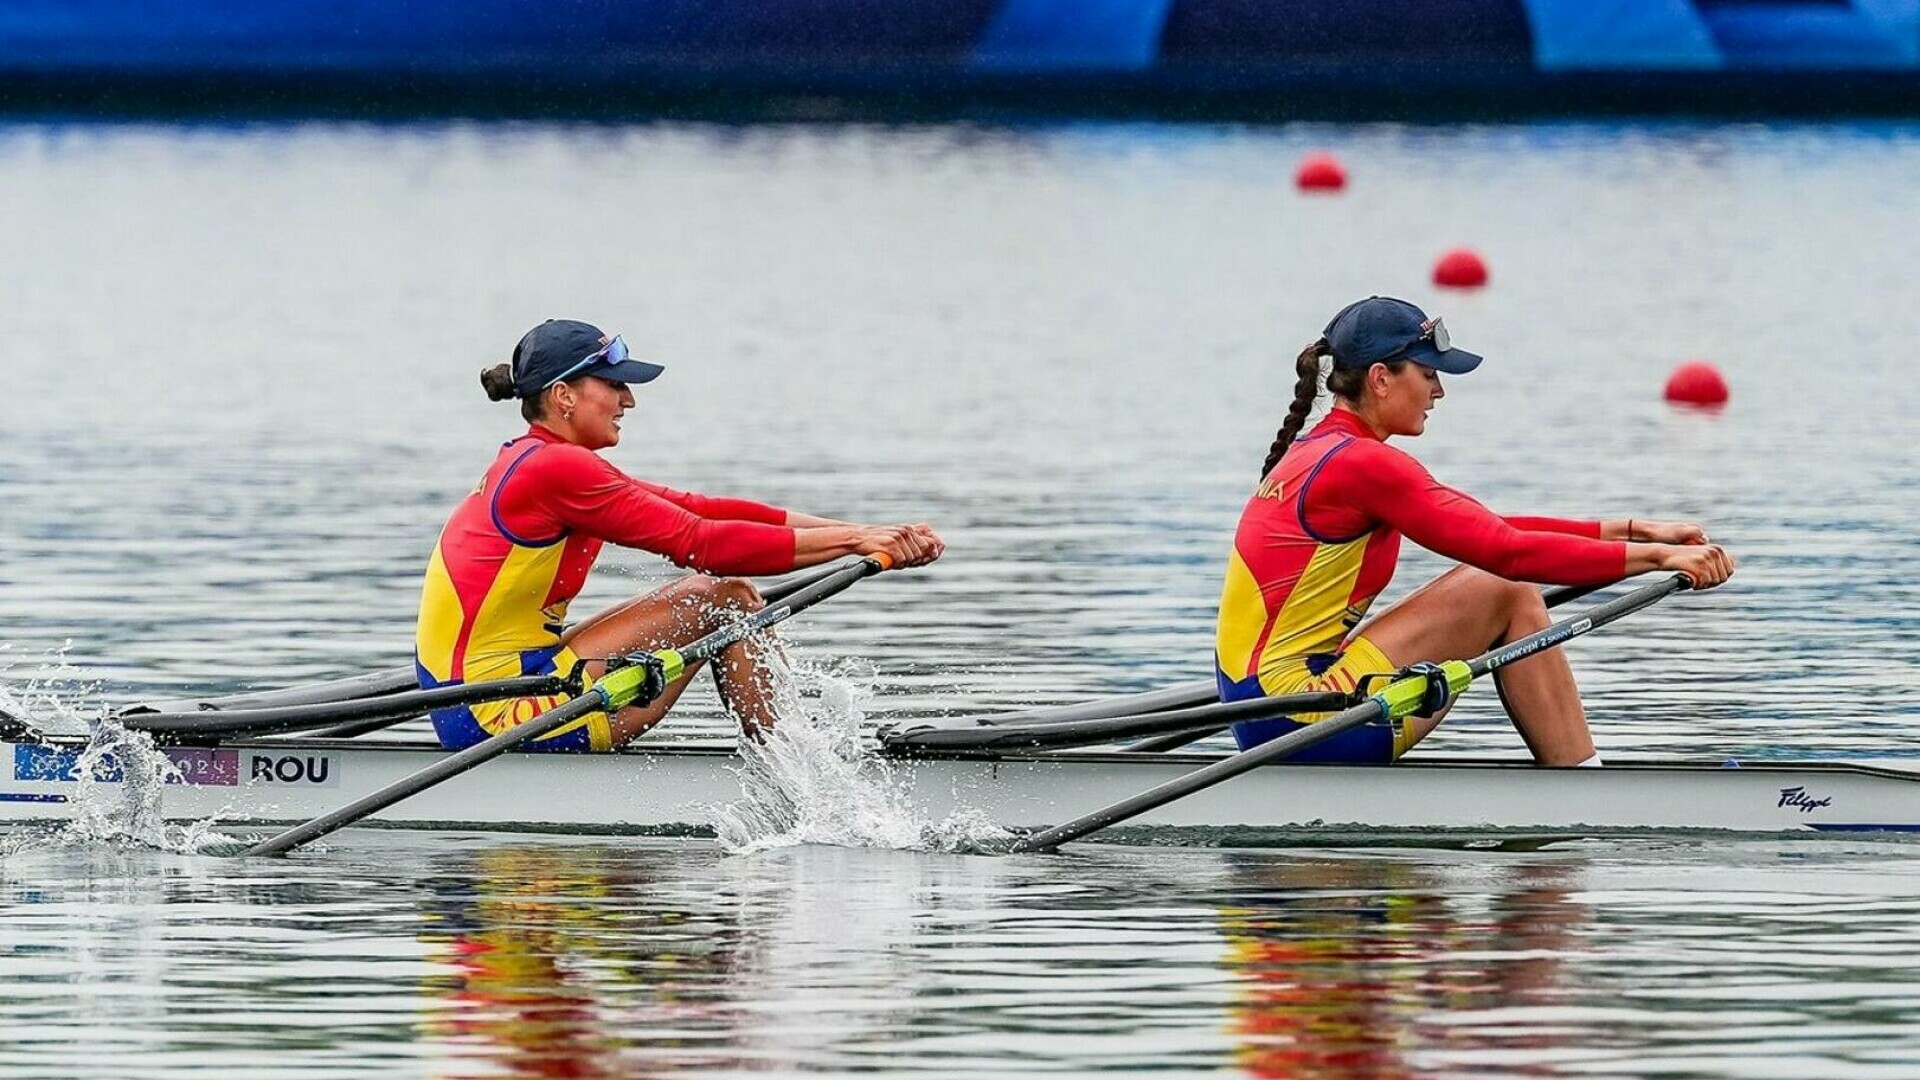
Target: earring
point(568, 415)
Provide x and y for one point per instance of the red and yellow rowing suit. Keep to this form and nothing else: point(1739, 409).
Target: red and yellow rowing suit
point(517, 550)
point(1319, 541)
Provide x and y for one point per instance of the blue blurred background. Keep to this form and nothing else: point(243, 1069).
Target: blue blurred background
point(837, 58)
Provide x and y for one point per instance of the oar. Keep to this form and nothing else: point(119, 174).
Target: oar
point(1401, 697)
point(1160, 744)
point(303, 709)
point(946, 739)
point(1139, 703)
point(642, 680)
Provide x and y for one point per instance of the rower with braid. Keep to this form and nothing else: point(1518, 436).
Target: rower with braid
point(1320, 537)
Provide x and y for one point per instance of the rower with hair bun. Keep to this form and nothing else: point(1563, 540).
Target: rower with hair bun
point(518, 549)
point(1320, 538)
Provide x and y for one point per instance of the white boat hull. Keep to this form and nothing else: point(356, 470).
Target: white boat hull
point(670, 788)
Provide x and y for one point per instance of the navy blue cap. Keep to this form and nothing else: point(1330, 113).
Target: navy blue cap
point(1379, 328)
point(561, 349)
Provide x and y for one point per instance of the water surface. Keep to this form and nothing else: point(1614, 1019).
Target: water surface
point(241, 366)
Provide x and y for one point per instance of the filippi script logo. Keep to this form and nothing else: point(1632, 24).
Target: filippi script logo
point(306, 770)
point(1797, 796)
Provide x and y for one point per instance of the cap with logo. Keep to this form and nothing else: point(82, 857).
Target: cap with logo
point(1380, 328)
point(562, 349)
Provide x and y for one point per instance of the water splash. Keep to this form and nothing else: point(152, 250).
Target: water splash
point(46, 699)
point(119, 779)
point(118, 776)
point(811, 782)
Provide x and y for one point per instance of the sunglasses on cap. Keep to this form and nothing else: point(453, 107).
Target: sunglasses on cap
point(613, 352)
point(1435, 330)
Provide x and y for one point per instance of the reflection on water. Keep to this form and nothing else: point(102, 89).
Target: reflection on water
point(1350, 966)
point(515, 927)
point(481, 956)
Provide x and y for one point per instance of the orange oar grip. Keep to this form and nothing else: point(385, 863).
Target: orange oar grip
point(885, 560)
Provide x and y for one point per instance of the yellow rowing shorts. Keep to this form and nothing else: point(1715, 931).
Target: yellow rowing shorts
point(466, 725)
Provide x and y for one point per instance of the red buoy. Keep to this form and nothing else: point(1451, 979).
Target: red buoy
point(1696, 382)
point(1320, 172)
point(1461, 268)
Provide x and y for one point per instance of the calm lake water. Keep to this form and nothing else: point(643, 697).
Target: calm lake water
point(242, 398)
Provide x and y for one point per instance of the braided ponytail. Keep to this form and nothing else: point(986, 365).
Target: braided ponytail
point(1307, 366)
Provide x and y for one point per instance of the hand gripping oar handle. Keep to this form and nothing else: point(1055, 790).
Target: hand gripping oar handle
point(642, 679)
point(1402, 697)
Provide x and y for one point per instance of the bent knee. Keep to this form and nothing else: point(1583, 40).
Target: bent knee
point(707, 594)
point(738, 594)
point(1526, 599)
point(1501, 592)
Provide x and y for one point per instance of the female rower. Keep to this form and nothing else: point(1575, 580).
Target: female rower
point(517, 551)
point(1320, 537)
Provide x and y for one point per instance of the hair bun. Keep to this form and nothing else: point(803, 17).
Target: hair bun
point(497, 381)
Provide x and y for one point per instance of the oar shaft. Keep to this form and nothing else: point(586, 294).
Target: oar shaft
point(393, 683)
point(791, 604)
point(338, 707)
point(1374, 708)
point(445, 769)
point(616, 690)
point(1207, 776)
point(908, 739)
point(386, 709)
point(1542, 640)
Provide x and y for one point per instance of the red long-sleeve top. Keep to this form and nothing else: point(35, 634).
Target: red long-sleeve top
point(517, 550)
point(1320, 538)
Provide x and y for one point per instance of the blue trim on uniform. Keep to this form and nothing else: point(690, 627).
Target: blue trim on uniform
point(493, 504)
point(539, 661)
point(15, 796)
point(1368, 744)
point(458, 728)
point(1300, 500)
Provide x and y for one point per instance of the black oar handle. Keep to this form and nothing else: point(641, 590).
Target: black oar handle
point(1374, 708)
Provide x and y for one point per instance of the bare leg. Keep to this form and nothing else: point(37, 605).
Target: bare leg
point(674, 615)
point(1465, 612)
point(745, 679)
